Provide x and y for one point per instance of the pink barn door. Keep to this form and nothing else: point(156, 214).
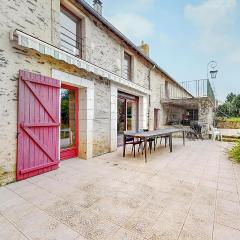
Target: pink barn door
point(38, 125)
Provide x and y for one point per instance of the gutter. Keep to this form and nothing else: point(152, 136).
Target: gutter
point(149, 96)
point(126, 40)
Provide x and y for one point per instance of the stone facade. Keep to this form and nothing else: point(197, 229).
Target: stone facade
point(206, 112)
point(37, 18)
point(98, 95)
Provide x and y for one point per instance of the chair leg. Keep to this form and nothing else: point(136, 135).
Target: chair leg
point(155, 144)
point(134, 150)
point(165, 141)
point(150, 146)
point(142, 149)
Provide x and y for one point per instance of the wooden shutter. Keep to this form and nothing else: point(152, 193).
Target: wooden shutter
point(38, 125)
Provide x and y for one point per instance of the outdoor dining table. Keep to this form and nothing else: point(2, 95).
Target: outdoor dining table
point(152, 134)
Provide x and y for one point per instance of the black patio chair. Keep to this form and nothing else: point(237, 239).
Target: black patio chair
point(166, 137)
point(195, 131)
point(151, 142)
point(133, 141)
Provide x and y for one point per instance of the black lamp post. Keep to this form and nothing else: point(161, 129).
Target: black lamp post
point(213, 72)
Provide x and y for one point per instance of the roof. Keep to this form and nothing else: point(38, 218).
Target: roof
point(125, 39)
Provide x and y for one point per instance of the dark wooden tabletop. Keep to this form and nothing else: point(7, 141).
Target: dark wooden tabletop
point(153, 133)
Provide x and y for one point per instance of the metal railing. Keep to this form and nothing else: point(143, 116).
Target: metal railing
point(70, 42)
point(172, 91)
point(197, 88)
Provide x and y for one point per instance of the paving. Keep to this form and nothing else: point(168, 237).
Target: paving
point(192, 193)
point(230, 132)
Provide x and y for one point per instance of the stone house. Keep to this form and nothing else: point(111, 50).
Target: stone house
point(70, 84)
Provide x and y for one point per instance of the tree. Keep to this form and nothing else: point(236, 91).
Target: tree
point(230, 97)
point(231, 107)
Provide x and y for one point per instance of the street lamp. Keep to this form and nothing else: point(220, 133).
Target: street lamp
point(213, 72)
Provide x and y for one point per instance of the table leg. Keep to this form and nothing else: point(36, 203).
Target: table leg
point(170, 142)
point(184, 138)
point(145, 149)
point(124, 145)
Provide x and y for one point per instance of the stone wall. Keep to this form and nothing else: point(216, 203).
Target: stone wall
point(171, 113)
point(101, 49)
point(157, 80)
point(102, 112)
point(205, 113)
point(38, 19)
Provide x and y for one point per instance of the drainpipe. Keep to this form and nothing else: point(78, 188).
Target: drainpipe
point(149, 96)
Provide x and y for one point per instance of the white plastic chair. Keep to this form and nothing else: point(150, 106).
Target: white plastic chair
point(216, 133)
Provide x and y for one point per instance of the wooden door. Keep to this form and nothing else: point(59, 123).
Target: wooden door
point(38, 125)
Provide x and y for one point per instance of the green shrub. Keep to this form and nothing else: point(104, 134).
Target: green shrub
point(233, 119)
point(234, 153)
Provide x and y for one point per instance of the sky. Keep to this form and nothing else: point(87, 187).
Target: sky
point(184, 35)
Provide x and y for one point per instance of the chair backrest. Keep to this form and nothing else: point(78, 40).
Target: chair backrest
point(196, 126)
point(212, 128)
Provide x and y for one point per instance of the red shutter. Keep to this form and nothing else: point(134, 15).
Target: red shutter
point(38, 125)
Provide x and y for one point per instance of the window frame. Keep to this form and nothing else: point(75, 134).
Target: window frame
point(129, 66)
point(79, 30)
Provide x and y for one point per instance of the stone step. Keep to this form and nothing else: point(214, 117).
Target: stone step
point(231, 138)
point(228, 136)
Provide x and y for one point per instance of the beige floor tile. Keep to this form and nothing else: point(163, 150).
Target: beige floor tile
point(143, 219)
point(222, 232)
point(228, 219)
point(208, 183)
point(198, 226)
point(123, 234)
point(9, 232)
point(80, 238)
point(228, 213)
point(191, 234)
point(81, 198)
point(224, 195)
point(227, 187)
point(168, 225)
point(9, 199)
point(39, 225)
point(86, 223)
point(117, 208)
point(109, 197)
point(18, 185)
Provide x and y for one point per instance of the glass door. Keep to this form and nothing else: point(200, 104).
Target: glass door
point(69, 122)
point(121, 124)
point(127, 115)
point(131, 115)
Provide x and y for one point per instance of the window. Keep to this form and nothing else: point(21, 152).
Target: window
point(127, 66)
point(156, 118)
point(70, 33)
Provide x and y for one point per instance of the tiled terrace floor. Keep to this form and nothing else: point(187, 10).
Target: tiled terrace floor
point(191, 193)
